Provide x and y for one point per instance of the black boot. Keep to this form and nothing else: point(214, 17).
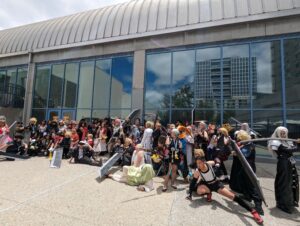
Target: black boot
point(258, 208)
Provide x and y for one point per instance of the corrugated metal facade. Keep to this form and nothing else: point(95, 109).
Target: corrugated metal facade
point(138, 18)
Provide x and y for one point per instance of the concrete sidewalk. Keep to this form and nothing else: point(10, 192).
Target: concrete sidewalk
point(33, 194)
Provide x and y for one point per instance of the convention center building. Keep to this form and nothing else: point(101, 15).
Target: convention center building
point(181, 59)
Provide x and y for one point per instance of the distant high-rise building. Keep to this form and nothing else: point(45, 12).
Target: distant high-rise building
point(236, 80)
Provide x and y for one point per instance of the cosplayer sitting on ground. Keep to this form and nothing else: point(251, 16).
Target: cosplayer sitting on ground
point(204, 182)
point(138, 174)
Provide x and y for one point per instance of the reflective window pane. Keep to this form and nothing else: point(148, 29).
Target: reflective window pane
point(292, 72)
point(85, 84)
point(158, 81)
point(41, 87)
point(207, 81)
point(22, 77)
point(240, 115)
point(121, 82)
point(266, 75)
point(20, 88)
point(11, 77)
point(293, 123)
point(70, 85)
point(56, 86)
point(265, 122)
point(210, 116)
point(119, 113)
point(182, 116)
point(183, 78)
point(162, 115)
point(2, 79)
point(236, 77)
point(99, 114)
point(40, 114)
point(102, 84)
point(83, 114)
point(2, 85)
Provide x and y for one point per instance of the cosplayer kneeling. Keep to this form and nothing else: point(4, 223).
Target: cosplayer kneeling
point(205, 182)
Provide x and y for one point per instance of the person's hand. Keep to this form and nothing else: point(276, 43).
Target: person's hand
point(298, 141)
point(196, 174)
point(189, 197)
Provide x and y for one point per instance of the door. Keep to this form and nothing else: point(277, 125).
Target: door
point(53, 114)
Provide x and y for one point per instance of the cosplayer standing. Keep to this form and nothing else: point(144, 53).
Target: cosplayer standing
point(239, 180)
point(286, 181)
point(175, 153)
point(205, 182)
point(4, 133)
point(223, 150)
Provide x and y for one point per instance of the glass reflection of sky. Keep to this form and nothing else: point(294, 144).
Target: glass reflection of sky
point(122, 70)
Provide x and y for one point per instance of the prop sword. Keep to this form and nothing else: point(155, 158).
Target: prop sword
point(267, 139)
point(9, 128)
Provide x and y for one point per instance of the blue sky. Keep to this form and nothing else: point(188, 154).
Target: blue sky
point(15, 12)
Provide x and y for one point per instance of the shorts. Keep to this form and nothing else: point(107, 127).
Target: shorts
point(213, 186)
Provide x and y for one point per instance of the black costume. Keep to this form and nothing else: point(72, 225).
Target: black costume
point(239, 180)
point(286, 181)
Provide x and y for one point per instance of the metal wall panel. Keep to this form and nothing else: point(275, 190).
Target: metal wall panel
point(182, 13)
point(217, 9)
point(45, 33)
point(18, 37)
point(95, 24)
point(126, 19)
point(162, 14)
point(34, 36)
point(62, 30)
point(193, 11)
point(110, 21)
point(242, 7)
point(144, 14)
point(68, 29)
point(270, 5)
point(255, 6)
point(118, 20)
point(103, 22)
point(56, 32)
point(153, 15)
point(50, 33)
point(82, 25)
point(29, 35)
point(285, 4)
point(135, 16)
point(89, 23)
point(296, 3)
point(205, 10)
point(229, 9)
point(172, 14)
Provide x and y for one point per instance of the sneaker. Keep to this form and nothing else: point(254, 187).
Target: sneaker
point(208, 197)
point(257, 217)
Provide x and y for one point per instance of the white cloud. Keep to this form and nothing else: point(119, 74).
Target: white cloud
point(16, 13)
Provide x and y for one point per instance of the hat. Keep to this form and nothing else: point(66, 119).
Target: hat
point(82, 142)
point(2, 118)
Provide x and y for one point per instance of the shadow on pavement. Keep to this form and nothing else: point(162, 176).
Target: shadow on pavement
point(280, 214)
